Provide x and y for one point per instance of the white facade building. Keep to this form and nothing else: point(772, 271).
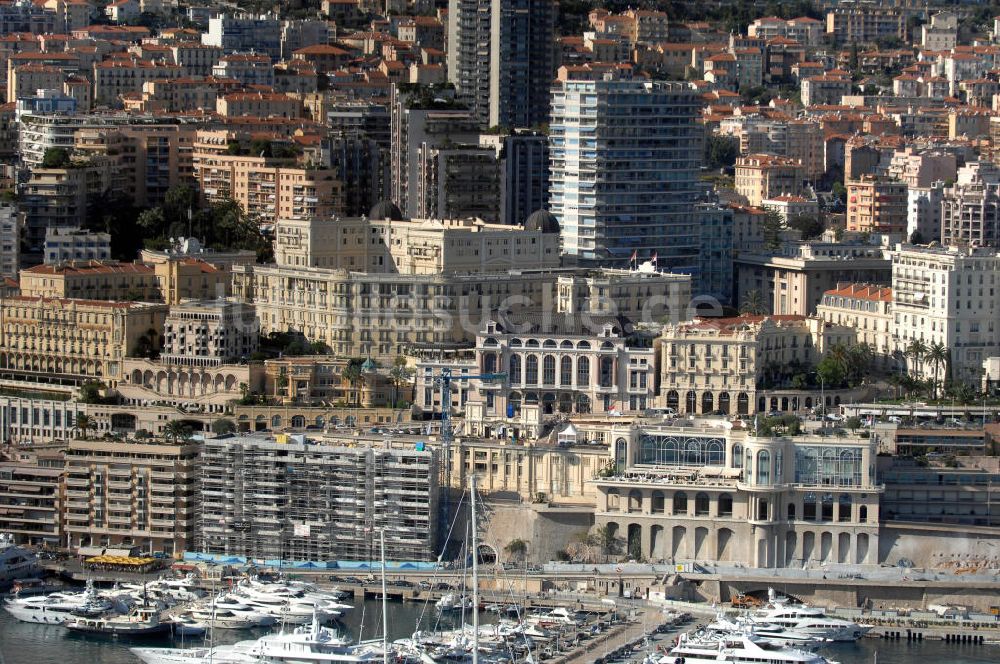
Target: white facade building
point(949, 296)
point(75, 244)
point(923, 212)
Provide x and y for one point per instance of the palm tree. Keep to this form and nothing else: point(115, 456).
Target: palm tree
point(917, 349)
point(176, 430)
point(753, 304)
point(937, 355)
point(352, 374)
point(84, 423)
point(399, 374)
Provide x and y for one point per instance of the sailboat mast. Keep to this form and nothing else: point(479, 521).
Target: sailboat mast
point(475, 577)
point(385, 604)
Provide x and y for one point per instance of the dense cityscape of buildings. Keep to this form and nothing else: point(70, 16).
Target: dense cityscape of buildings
point(709, 288)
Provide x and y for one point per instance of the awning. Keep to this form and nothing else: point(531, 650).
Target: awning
point(91, 551)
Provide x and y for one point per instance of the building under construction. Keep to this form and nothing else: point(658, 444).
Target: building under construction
point(289, 497)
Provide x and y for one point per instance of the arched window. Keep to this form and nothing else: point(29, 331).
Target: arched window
point(515, 369)
point(791, 511)
point(737, 456)
point(583, 372)
point(566, 371)
point(725, 505)
point(531, 370)
point(701, 504)
point(549, 370)
point(614, 500)
point(680, 503)
point(863, 514)
point(763, 467)
point(621, 454)
point(844, 507)
point(489, 363)
point(658, 503)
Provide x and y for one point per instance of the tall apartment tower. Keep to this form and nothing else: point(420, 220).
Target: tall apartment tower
point(625, 156)
point(501, 58)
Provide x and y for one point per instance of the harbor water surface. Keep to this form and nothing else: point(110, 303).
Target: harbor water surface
point(22, 643)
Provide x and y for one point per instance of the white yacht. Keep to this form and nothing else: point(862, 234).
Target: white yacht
point(773, 634)
point(233, 604)
point(453, 602)
point(15, 562)
point(807, 620)
point(56, 608)
point(221, 618)
point(736, 648)
point(304, 645)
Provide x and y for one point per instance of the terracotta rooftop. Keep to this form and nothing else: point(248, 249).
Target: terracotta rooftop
point(863, 292)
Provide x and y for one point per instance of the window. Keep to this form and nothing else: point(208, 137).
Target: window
point(515, 369)
point(549, 370)
point(566, 371)
point(583, 372)
point(531, 370)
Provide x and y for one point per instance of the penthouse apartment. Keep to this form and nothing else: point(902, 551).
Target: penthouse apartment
point(867, 310)
point(294, 498)
point(99, 280)
point(762, 176)
point(130, 494)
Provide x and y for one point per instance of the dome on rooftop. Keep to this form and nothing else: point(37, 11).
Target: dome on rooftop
point(541, 220)
point(385, 210)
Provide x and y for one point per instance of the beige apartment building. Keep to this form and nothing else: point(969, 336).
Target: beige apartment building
point(258, 104)
point(30, 507)
point(793, 280)
point(55, 340)
point(130, 494)
point(859, 24)
point(763, 176)
point(866, 309)
point(118, 76)
point(266, 188)
point(95, 280)
point(712, 494)
point(417, 246)
point(167, 281)
point(711, 366)
point(384, 315)
point(876, 205)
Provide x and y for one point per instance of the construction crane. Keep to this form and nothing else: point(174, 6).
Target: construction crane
point(443, 380)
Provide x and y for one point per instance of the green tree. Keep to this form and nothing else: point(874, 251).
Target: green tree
point(516, 549)
point(753, 304)
point(606, 538)
point(809, 226)
point(55, 158)
point(175, 431)
point(222, 426)
point(721, 151)
point(831, 373)
point(853, 423)
point(771, 226)
point(839, 191)
point(84, 423)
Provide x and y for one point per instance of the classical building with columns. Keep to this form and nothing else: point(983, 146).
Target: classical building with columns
point(716, 365)
point(723, 495)
point(546, 374)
